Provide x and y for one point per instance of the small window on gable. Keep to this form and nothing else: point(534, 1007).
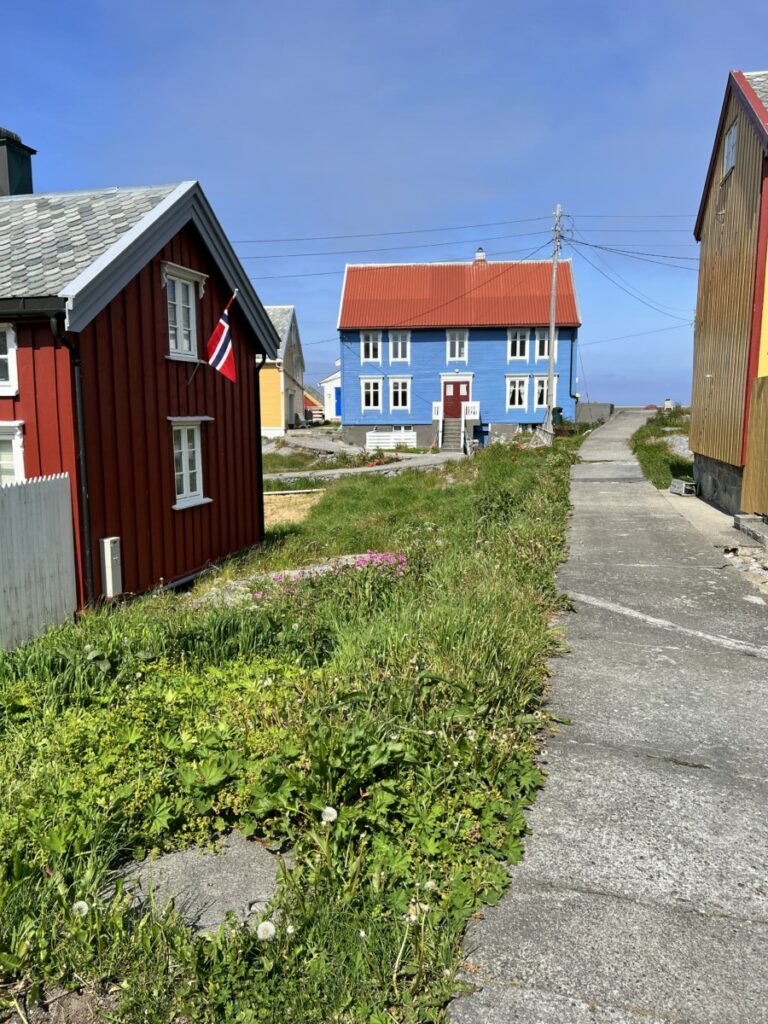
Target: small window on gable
point(729, 149)
point(518, 343)
point(181, 290)
point(9, 384)
point(370, 346)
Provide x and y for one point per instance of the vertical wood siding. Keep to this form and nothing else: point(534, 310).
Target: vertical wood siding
point(754, 492)
point(726, 289)
point(131, 388)
point(37, 560)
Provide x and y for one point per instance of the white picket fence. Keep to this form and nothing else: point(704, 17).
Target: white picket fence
point(388, 440)
point(37, 557)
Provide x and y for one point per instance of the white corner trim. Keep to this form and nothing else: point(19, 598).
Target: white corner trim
point(190, 503)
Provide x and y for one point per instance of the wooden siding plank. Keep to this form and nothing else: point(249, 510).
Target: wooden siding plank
point(726, 289)
point(754, 492)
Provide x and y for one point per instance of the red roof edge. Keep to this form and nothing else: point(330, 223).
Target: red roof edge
point(757, 114)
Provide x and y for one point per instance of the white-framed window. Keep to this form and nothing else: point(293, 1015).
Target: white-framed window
point(729, 149)
point(542, 342)
point(457, 346)
point(517, 343)
point(182, 317)
point(541, 384)
point(400, 394)
point(9, 380)
point(517, 393)
point(370, 347)
point(399, 346)
point(370, 394)
point(188, 460)
point(11, 452)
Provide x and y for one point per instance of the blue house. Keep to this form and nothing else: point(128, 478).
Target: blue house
point(442, 353)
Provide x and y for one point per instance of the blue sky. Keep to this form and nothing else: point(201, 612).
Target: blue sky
point(337, 118)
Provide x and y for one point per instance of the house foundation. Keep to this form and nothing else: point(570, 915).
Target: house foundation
point(719, 483)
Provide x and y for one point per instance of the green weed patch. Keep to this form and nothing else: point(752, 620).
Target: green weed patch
point(380, 720)
point(659, 464)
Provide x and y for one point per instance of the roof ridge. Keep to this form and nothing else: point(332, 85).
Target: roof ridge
point(461, 263)
point(109, 189)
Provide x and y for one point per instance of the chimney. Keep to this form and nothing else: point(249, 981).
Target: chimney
point(15, 165)
point(480, 256)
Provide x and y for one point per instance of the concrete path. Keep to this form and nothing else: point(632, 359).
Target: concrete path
point(422, 462)
point(643, 895)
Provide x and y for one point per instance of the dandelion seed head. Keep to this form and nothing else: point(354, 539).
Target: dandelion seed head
point(363, 934)
point(430, 885)
point(329, 815)
point(290, 930)
point(265, 932)
point(80, 908)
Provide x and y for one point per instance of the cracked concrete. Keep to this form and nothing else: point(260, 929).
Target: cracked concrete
point(643, 895)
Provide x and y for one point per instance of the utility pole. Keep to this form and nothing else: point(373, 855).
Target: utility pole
point(546, 432)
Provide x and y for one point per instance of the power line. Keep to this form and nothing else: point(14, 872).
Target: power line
point(388, 248)
point(642, 255)
point(634, 288)
point(635, 216)
point(383, 234)
point(338, 273)
point(650, 305)
point(639, 334)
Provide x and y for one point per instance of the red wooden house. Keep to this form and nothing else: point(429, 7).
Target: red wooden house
point(107, 299)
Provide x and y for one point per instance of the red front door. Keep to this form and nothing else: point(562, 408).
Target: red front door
point(455, 392)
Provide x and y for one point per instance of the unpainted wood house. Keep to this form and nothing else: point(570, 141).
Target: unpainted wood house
point(729, 411)
point(107, 298)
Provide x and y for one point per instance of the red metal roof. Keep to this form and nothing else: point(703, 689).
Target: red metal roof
point(478, 294)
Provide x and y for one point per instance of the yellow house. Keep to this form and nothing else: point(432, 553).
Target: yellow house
point(281, 381)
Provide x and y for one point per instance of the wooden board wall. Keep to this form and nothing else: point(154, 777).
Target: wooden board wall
point(130, 389)
point(754, 492)
point(726, 289)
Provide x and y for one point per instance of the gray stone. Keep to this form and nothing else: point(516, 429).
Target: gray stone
point(239, 877)
point(719, 482)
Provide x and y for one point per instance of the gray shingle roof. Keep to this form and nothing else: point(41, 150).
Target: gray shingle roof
point(281, 317)
point(46, 240)
point(759, 82)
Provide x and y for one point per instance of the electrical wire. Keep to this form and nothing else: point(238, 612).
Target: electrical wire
point(650, 305)
point(383, 234)
point(661, 261)
point(639, 334)
point(632, 287)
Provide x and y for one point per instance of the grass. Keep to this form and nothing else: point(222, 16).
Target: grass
point(405, 694)
point(280, 462)
point(659, 464)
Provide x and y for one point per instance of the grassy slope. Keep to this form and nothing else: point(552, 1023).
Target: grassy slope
point(407, 701)
point(658, 463)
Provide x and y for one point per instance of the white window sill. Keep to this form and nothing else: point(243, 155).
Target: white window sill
point(8, 392)
point(183, 503)
point(183, 357)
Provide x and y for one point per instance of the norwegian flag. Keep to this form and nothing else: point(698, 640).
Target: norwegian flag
point(221, 355)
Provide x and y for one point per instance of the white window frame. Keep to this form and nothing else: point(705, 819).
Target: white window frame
point(10, 388)
point(188, 498)
point(545, 378)
point(399, 380)
point(370, 380)
point(196, 282)
point(507, 382)
point(730, 148)
point(514, 335)
point(400, 338)
point(370, 338)
point(13, 431)
point(541, 332)
point(454, 336)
